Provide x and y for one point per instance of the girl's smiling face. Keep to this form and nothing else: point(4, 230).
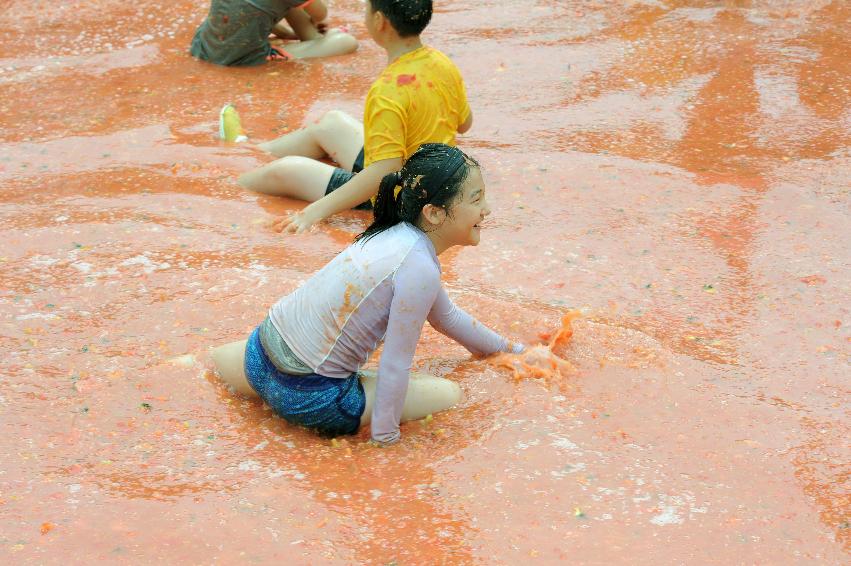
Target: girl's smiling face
point(460, 224)
point(469, 210)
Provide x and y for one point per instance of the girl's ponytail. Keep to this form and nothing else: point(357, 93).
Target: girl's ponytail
point(385, 209)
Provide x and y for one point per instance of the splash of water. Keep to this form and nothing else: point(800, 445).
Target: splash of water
point(542, 361)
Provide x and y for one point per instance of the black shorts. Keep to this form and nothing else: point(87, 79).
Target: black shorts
point(340, 177)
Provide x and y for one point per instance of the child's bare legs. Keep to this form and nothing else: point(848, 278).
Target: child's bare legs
point(282, 31)
point(336, 136)
point(295, 177)
point(328, 45)
point(282, 36)
point(298, 174)
point(301, 24)
point(427, 394)
point(230, 365)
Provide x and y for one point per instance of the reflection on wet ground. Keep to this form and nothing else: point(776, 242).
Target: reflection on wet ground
point(679, 171)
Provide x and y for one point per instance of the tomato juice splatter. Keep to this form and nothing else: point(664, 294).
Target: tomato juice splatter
point(677, 172)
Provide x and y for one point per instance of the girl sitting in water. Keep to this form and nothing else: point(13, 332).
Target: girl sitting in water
point(303, 359)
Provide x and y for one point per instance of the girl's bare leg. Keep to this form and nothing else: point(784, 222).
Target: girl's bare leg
point(296, 177)
point(282, 31)
point(426, 395)
point(323, 46)
point(230, 365)
point(336, 135)
point(302, 25)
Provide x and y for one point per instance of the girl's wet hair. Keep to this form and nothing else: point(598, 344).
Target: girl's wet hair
point(408, 17)
point(434, 174)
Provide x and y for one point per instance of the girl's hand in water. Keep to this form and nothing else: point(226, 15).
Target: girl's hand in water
point(542, 361)
point(538, 355)
point(542, 356)
point(296, 223)
point(537, 361)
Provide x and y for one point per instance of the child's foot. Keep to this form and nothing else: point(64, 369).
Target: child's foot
point(230, 128)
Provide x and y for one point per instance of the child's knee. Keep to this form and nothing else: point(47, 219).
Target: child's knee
point(455, 393)
point(285, 168)
point(344, 42)
point(333, 120)
point(449, 392)
point(219, 356)
point(228, 359)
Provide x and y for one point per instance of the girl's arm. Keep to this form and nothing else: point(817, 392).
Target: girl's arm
point(415, 286)
point(357, 190)
point(453, 322)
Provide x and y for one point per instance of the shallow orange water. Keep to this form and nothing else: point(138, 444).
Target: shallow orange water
point(679, 171)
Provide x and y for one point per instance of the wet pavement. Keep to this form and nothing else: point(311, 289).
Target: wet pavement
point(678, 171)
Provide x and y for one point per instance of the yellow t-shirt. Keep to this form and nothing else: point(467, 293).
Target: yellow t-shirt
point(418, 98)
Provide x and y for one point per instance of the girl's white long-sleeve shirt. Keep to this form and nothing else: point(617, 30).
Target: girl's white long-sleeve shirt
point(381, 289)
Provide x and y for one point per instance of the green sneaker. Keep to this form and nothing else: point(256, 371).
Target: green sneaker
point(230, 128)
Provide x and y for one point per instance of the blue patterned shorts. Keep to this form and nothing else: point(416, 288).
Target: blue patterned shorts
point(331, 406)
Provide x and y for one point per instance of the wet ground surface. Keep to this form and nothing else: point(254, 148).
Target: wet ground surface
point(679, 171)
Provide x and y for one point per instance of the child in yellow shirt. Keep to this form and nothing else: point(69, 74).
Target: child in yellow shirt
point(418, 98)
